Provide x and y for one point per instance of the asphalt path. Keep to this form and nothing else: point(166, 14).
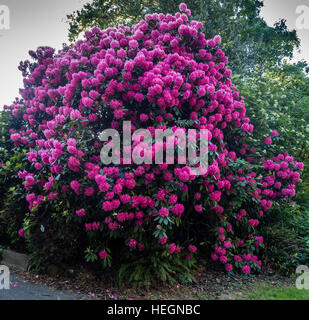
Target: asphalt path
point(22, 289)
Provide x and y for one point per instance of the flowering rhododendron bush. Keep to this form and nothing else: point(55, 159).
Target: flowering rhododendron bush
point(160, 73)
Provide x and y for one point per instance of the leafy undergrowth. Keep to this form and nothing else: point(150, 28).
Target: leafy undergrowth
point(209, 285)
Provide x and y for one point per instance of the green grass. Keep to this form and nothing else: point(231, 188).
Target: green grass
point(268, 292)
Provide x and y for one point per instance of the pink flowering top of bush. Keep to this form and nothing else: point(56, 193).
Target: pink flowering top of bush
point(158, 73)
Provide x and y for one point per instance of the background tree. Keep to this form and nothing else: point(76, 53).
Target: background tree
point(248, 41)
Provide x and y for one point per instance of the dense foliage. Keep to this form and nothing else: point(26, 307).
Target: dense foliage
point(279, 99)
point(13, 204)
point(149, 221)
point(276, 94)
point(160, 73)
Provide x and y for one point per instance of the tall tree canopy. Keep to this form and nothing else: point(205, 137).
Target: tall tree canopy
point(248, 41)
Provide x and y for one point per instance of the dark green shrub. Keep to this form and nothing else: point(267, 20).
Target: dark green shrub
point(13, 205)
point(286, 239)
point(53, 242)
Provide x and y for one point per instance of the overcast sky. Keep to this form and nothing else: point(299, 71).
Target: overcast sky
point(36, 23)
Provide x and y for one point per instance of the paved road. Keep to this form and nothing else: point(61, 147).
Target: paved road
point(21, 289)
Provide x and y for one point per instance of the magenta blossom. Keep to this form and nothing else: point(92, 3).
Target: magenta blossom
point(103, 254)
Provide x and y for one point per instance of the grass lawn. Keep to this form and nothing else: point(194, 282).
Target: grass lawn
point(264, 291)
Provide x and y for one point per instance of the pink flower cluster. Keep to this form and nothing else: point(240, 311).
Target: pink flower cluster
point(152, 74)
